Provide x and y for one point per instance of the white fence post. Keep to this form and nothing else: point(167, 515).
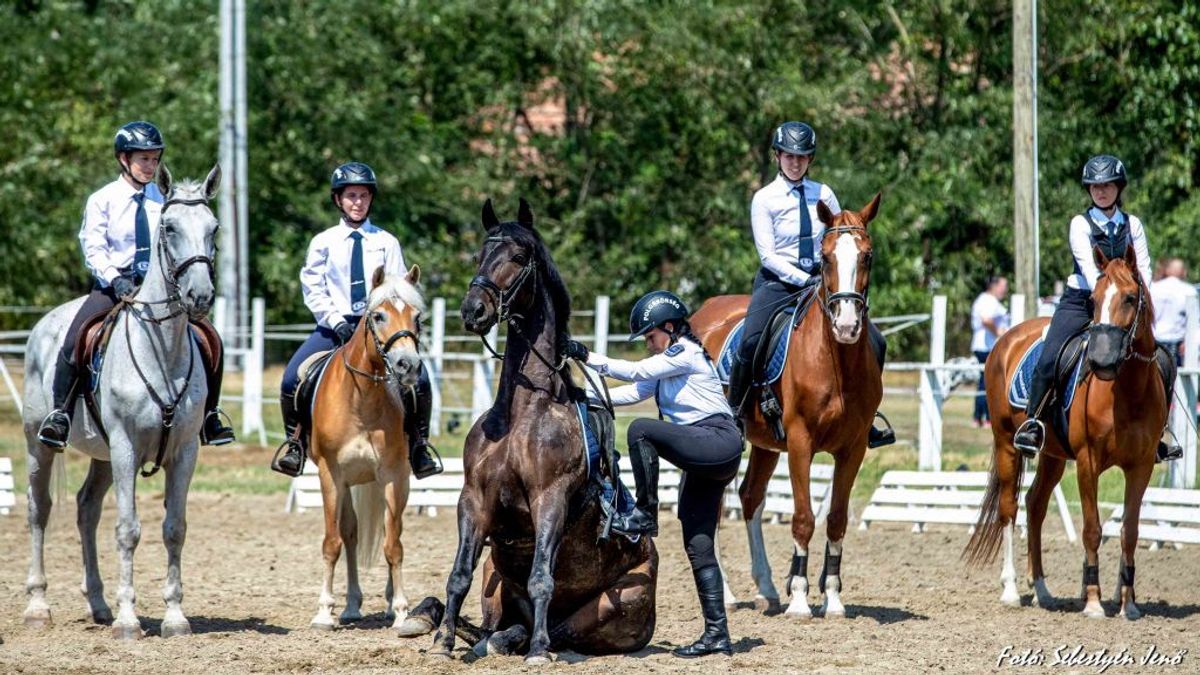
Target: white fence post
point(1016, 309)
point(600, 344)
point(932, 391)
point(252, 372)
point(437, 347)
point(1182, 473)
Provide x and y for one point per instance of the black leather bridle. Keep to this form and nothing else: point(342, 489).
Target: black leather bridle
point(860, 299)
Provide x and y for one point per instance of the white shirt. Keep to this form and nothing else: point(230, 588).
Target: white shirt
point(108, 233)
point(686, 382)
point(326, 274)
point(1170, 295)
point(986, 307)
point(1080, 235)
point(775, 221)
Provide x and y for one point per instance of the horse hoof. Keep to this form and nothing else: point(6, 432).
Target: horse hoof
point(835, 614)
point(38, 618)
point(440, 653)
point(350, 617)
point(126, 632)
point(1131, 613)
point(103, 617)
point(762, 604)
point(1010, 598)
point(1094, 612)
point(799, 617)
point(539, 660)
point(414, 626)
point(178, 629)
point(322, 625)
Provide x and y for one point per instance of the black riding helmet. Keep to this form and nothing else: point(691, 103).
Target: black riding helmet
point(350, 173)
point(1104, 169)
point(796, 138)
point(136, 136)
point(653, 310)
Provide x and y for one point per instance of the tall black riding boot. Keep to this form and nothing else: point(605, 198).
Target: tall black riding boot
point(56, 427)
point(715, 639)
point(1167, 449)
point(291, 462)
point(1031, 435)
point(418, 408)
point(739, 385)
point(643, 519)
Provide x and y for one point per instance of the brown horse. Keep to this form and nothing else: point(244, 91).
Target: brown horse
point(527, 491)
point(359, 444)
point(1119, 412)
point(830, 389)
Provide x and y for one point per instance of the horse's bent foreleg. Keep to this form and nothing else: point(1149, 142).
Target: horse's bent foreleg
point(1049, 473)
point(752, 493)
point(331, 547)
point(619, 619)
point(40, 463)
point(129, 533)
point(549, 515)
point(1136, 481)
point(89, 502)
point(845, 470)
point(174, 528)
point(458, 583)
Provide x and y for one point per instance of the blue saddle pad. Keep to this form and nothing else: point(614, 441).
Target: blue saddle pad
point(775, 363)
point(1018, 389)
point(592, 449)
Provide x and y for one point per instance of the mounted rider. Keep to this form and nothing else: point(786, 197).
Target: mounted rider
point(116, 237)
point(787, 234)
point(334, 279)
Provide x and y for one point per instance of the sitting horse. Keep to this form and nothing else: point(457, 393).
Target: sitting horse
point(830, 387)
point(527, 489)
point(1117, 414)
point(359, 445)
point(148, 406)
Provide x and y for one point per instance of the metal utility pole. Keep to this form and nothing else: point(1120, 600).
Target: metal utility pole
point(1025, 187)
point(233, 262)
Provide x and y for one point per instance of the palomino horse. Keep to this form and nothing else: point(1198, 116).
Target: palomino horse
point(527, 490)
point(1116, 419)
point(359, 445)
point(150, 398)
point(830, 389)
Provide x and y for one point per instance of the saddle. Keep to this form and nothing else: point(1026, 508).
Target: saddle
point(770, 356)
point(600, 451)
point(312, 371)
point(96, 330)
point(1070, 370)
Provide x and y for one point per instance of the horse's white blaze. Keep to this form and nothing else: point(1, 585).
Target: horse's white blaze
point(1106, 310)
point(798, 585)
point(845, 252)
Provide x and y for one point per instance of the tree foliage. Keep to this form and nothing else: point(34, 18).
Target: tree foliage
point(639, 131)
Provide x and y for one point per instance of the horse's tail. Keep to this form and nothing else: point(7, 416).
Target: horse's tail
point(369, 508)
point(989, 529)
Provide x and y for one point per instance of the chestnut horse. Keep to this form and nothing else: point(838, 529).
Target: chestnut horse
point(359, 445)
point(1119, 412)
point(830, 389)
point(527, 489)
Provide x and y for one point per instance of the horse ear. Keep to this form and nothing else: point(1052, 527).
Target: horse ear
point(824, 213)
point(489, 216)
point(164, 180)
point(414, 275)
point(1100, 258)
point(870, 210)
point(1131, 260)
point(377, 277)
point(213, 182)
point(525, 214)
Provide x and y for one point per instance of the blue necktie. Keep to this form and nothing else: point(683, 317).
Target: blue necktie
point(806, 231)
point(141, 256)
point(358, 283)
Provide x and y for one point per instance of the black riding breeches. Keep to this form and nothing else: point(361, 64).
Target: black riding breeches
point(1072, 315)
point(99, 300)
point(708, 452)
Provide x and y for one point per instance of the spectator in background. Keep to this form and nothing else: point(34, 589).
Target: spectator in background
point(1169, 295)
point(989, 320)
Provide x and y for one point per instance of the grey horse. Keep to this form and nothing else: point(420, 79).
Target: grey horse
point(151, 361)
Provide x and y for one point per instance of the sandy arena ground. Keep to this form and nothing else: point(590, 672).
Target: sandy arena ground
point(911, 605)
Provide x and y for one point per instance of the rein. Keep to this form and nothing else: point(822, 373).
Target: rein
point(166, 410)
point(172, 269)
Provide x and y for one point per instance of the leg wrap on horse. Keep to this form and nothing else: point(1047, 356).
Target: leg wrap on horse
point(1091, 574)
point(1125, 576)
point(832, 567)
point(799, 568)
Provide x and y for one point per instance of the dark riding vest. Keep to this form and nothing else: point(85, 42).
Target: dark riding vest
point(1114, 246)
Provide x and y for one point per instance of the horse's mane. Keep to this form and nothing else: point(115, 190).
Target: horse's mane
point(560, 298)
point(396, 286)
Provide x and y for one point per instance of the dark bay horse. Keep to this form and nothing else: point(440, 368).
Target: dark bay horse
point(830, 389)
point(1119, 412)
point(527, 492)
point(359, 444)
